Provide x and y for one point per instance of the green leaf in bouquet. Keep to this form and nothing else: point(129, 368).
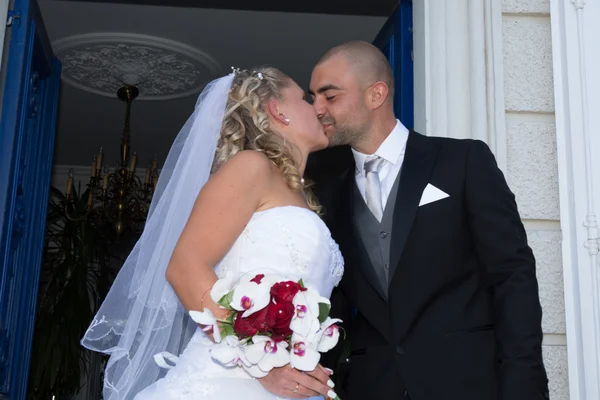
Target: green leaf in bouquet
point(225, 301)
point(226, 330)
point(231, 318)
point(323, 311)
point(301, 283)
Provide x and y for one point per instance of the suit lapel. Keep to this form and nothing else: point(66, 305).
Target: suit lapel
point(419, 160)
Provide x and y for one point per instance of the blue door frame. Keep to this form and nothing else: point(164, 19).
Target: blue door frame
point(27, 130)
point(395, 41)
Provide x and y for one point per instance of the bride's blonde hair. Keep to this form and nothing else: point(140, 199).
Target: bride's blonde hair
point(246, 126)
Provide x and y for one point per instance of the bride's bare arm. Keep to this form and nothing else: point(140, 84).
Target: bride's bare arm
point(221, 211)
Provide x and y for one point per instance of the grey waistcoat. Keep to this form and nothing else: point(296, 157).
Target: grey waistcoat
point(376, 236)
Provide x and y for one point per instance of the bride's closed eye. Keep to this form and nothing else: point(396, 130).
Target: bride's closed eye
point(306, 98)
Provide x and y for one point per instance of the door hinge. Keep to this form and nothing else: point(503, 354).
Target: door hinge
point(12, 16)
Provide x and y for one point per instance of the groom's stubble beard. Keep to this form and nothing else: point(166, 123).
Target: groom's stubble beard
point(343, 134)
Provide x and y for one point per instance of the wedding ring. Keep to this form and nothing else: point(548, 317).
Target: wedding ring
point(297, 387)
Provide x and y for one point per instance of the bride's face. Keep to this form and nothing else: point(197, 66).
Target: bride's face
point(303, 128)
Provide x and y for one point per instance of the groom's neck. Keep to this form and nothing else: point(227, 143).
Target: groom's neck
point(380, 129)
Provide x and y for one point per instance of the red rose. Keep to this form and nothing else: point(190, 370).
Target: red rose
point(258, 320)
point(278, 338)
point(257, 278)
point(285, 291)
point(250, 326)
point(279, 317)
point(242, 326)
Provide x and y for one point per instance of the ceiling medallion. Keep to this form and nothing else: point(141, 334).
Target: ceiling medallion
point(162, 69)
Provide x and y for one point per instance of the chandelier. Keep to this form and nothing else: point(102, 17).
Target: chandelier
point(117, 196)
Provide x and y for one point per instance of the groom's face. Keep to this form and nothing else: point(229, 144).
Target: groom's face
point(339, 101)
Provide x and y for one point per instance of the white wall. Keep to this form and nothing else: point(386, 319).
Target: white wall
point(532, 165)
point(503, 85)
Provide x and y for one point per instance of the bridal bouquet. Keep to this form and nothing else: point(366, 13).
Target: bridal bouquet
point(272, 322)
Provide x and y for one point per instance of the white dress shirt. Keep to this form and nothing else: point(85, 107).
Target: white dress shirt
point(392, 151)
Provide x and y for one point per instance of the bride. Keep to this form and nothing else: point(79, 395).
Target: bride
point(230, 199)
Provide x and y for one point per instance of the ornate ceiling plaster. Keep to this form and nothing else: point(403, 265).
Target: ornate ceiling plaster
point(162, 69)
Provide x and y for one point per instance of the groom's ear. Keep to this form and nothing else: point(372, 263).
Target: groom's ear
point(378, 95)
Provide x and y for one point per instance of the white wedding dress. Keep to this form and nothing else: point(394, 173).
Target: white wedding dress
point(288, 241)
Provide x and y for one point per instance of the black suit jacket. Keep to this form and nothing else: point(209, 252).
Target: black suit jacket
point(463, 317)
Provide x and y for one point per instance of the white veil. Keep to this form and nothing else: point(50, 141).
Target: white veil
point(142, 316)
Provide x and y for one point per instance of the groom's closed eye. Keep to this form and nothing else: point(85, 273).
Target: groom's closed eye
point(324, 89)
point(328, 96)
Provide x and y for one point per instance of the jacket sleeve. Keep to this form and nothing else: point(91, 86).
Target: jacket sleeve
point(501, 245)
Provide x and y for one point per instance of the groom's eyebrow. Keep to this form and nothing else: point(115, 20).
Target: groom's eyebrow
point(324, 89)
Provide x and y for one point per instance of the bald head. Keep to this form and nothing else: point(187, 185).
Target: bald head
point(368, 63)
point(352, 87)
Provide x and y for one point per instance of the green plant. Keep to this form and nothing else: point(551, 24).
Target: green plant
point(76, 275)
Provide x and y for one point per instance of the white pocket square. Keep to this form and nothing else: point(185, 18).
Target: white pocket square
point(431, 194)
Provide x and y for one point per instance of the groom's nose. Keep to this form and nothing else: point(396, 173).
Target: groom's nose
point(319, 109)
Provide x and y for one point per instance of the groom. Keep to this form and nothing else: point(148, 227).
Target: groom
point(437, 262)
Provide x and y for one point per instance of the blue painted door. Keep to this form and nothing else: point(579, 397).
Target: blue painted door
point(395, 40)
point(27, 129)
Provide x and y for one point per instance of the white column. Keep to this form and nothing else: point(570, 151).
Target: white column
point(576, 56)
point(459, 87)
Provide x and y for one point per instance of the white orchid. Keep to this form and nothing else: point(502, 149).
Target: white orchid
point(265, 354)
point(254, 371)
point(223, 286)
point(306, 319)
point(250, 297)
point(166, 360)
point(272, 279)
point(303, 354)
point(313, 331)
point(230, 352)
point(208, 323)
point(329, 335)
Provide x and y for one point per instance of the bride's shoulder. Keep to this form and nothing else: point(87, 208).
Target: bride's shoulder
point(247, 163)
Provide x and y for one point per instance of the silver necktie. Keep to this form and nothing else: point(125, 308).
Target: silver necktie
point(373, 189)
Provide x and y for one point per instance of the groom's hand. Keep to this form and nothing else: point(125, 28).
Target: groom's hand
point(289, 382)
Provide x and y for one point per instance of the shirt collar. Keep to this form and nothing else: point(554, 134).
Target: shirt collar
point(390, 150)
